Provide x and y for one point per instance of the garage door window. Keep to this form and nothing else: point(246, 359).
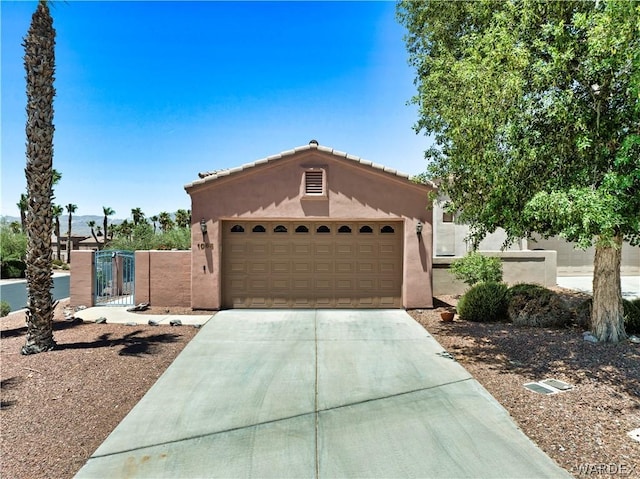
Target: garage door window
point(259, 229)
point(302, 229)
point(387, 229)
point(344, 229)
point(323, 229)
point(280, 229)
point(366, 229)
point(237, 229)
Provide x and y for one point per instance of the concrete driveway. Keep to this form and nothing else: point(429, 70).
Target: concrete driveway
point(317, 393)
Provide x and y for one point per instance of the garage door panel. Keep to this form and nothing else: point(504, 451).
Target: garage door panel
point(353, 265)
point(280, 302)
point(257, 248)
point(237, 248)
point(301, 248)
point(301, 284)
point(280, 248)
point(238, 267)
point(325, 285)
point(258, 267)
point(345, 267)
point(322, 267)
point(303, 267)
point(387, 268)
point(282, 267)
point(280, 284)
point(343, 249)
point(366, 248)
point(366, 267)
point(323, 249)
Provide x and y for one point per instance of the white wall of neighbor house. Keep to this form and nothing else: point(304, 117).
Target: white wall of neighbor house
point(573, 261)
point(450, 237)
point(450, 241)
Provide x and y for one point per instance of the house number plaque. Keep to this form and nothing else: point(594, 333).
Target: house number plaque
point(205, 245)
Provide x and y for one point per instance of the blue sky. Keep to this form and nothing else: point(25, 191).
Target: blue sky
point(151, 93)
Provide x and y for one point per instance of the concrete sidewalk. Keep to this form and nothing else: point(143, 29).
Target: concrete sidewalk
point(317, 393)
point(120, 315)
point(630, 285)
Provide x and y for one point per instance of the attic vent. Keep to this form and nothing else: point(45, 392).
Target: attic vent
point(313, 182)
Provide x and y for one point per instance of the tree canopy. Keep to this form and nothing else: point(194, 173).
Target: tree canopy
point(535, 111)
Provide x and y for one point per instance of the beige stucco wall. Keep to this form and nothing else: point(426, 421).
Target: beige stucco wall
point(275, 190)
point(517, 267)
point(81, 281)
point(163, 278)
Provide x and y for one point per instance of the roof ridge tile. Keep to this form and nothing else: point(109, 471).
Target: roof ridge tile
point(205, 177)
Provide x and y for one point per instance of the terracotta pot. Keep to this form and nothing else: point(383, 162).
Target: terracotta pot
point(447, 315)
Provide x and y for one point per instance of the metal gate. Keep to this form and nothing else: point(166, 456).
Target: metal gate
point(114, 279)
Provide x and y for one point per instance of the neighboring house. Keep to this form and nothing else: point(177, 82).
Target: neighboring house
point(310, 228)
point(77, 243)
point(449, 240)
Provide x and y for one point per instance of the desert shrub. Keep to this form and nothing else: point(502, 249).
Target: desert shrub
point(529, 290)
point(13, 268)
point(484, 302)
point(631, 315)
point(143, 238)
point(583, 314)
point(476, 268)
point(537, 306)
point(58, 263)
point(13, 250)
point(5, 309)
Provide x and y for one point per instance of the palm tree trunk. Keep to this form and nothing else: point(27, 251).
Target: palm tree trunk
point(69, 244)
point(607, 315)
point(58, 239)
point(39, 61)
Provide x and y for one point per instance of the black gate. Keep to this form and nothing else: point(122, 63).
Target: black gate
point(114, 279)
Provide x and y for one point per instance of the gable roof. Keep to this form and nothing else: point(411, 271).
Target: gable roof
point(209, 176)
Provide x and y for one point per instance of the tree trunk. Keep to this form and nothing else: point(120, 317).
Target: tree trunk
point(58, 239)
point(39, 62)
point(69, 244)
point(607, 315)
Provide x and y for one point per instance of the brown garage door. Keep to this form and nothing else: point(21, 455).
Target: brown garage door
point(303, 264)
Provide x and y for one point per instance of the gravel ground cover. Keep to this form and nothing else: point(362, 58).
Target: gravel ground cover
point(58, 407)
point(585, 430)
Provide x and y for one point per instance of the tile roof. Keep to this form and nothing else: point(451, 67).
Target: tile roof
point(208, 176)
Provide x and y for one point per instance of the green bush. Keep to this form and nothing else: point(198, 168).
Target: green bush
point(13, 250)
point(13, 268)
point(4, 309)
point(143, 238)
point(476, 268)
point(583, 314)
point(537, 306)
point(631, 315)
point(484, 302)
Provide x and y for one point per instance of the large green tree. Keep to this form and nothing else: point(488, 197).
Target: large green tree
point(39, 62)
point(535, 112)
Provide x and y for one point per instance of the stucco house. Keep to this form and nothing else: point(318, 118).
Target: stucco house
point(449, 241)
point(310, 227)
